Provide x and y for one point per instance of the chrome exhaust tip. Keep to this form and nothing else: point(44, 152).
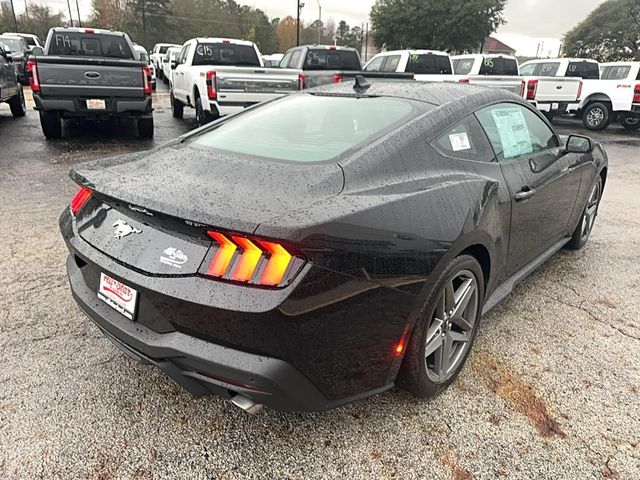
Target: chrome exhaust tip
point(246, 404)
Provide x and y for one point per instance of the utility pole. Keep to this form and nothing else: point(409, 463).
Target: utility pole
point(366, 42)
point(299, 7)
point(78, 10)
point(319, 21)
point(70, 17)
point(26, 10)
point(15, 21)
point(144, 25)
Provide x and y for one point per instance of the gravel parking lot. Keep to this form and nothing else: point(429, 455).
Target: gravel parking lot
point(552, 388)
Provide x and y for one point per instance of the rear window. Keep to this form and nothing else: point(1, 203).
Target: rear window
point(547, 69)
point(615, 72)
point(30, 41)
point(428, 64)
point(310, 128)
point(163, 50)
point(462, 66)
point(225, 54)
point(499, 66)
point(586, 70)
point(89, 45)
point(321, 59)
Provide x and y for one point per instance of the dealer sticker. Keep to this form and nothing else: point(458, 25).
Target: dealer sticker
point(117, 295)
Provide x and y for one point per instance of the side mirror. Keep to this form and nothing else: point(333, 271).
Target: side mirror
point(37, 51)
point(174, 64)
point(579, 144)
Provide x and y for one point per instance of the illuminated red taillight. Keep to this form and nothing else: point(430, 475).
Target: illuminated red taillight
point(252, 261)
point(89, 30)
point(300, 81)
point(579, 91)
point(212, 85)
point(463, 80)
point(34, 80)
point(532, 88)
point(146, 79)
point(636, 94)
point(79, 199)
point(337, 78)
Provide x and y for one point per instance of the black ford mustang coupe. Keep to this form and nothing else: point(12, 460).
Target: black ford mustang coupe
point(328, 245)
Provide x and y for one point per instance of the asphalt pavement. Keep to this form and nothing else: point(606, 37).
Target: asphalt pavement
point(551, 391)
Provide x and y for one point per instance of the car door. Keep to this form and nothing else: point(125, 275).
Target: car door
point(543, 181)
point(4, 69)
point(178, 76)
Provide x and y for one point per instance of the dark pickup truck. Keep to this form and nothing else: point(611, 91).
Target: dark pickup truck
point(322, 64)
point(10, 88)
point(89, 74)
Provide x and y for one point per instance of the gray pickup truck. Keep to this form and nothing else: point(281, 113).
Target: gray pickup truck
point(93, 74)
point(323, 64)
point(10, 88)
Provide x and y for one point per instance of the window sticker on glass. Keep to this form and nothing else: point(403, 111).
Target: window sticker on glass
point(459, 141)
point(513, 131)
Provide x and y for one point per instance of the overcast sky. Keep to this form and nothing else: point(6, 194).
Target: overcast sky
point(529, 22)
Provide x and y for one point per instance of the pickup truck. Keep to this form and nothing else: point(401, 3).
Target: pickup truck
point(323, 64)
point(19, 50)
point(219, 77)
point(157, 56)
point(170, 58)
point(10, 88)
point(31, 39)
point(619, 90)
point(90, 74)
point(481, 64)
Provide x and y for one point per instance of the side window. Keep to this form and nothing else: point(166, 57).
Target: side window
point(515, 131)
point(527, 70)
point(391, 65)
point(184, 53)
point(375, 65)
point(465, 140)
point(295, 58)
point(284, 63)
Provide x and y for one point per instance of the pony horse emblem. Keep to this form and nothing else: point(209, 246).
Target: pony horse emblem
point(122, 229)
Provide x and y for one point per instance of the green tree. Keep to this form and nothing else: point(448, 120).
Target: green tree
point(454, 25)
point(40, 20)
point(610, 33)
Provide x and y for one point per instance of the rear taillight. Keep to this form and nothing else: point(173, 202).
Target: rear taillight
point(300, 81)
point(253, 261)
point(463, 80)
point(146, 79)
point(212, 85)
point(532, 88)
point(579, 91)
point(636, 94)
point(337, 78)
point(80, 199)
point(34, 80)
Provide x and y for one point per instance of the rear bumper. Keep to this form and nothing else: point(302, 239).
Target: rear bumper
point(201, 367)
point(551, 107)
point(77, 107)
point(230, 107)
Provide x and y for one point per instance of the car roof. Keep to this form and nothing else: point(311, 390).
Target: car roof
point(413, 51)
point(546, 60)
point(87, 30)
point(484, 55)
point(233, 41)
point(434, 93)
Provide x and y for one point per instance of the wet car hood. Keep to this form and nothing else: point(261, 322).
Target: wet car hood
point(212, 187)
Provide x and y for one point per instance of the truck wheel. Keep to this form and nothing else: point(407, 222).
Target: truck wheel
point(160, 74)
point(145, 127)
point(51, 124)
point(202, 117)
point(631, 122)
point(177, 107)
point(17, 104)
point(596, 116)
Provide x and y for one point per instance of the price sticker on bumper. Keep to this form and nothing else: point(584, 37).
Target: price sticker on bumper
point(118, 295)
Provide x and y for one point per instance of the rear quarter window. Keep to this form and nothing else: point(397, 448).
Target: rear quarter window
point(615, 72)
point(89, 45)
point(310, 128)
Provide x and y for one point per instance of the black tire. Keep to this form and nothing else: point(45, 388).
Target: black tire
point(631, 122)
point(417, 374)
point(160, 74)
point(17, 104)
point(51, 124)
point(145, 127)
point(588, 218)
point(165, 80)
point(153, 86)
point(177, 107)
point(596, 116)
point(202, 117)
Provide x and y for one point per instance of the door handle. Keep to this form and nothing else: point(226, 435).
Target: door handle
point(524, 194)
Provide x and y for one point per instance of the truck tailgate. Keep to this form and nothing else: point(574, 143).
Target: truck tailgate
point(511, 84)
point(258, 84)
point(557, 89)
point(79, 76)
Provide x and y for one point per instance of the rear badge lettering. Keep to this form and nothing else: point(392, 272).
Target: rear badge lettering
point(174, 257)
point(123, 229)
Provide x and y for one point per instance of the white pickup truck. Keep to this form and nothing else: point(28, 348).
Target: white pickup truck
point(219, 77)
point(619, 90)
point(157, 56)
point(496, 71)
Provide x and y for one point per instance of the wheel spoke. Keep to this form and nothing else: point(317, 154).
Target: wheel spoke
point(433, 343)
point(449, 302)
point(459, 336)
point(462, 322)
point(443, 357)
point(462, 297)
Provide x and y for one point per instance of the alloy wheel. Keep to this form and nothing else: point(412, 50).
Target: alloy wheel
point(591, 210)
point(451, 330)
point(595, 117)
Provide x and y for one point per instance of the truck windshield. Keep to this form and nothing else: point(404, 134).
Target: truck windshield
point(81, 44)
point(499, 66)
point(225, 54)
point(429, 64)
point(324, 59)
point(309, 128)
